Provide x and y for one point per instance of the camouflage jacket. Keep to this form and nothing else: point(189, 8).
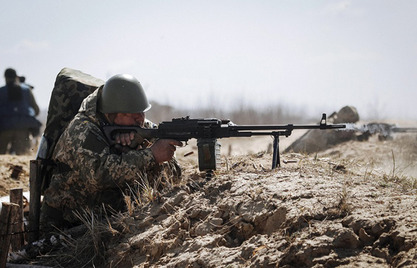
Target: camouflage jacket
point(89, 174)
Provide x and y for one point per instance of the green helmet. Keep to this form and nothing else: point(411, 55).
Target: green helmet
point(123, 93)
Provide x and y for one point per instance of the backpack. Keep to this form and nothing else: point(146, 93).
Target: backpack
point(70, 89)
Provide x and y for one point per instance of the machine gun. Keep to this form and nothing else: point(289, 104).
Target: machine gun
point(208, 130)
point(384, 130)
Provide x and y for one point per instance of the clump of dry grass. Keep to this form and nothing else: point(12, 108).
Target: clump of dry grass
point(140, 194)
point(343, 206)
point(397, 176)
point(148, 188)
point(89, 250)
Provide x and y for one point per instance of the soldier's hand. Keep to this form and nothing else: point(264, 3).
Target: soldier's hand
point(163, 150)
point(124, 138)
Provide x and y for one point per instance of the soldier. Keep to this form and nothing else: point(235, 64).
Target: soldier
point(315, 141)
point(89, 173)
point(18, 109)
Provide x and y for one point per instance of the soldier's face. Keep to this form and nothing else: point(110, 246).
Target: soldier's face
point(126, 119)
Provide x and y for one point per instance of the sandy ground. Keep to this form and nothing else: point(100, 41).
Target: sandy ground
point(14, 172)
point(353, 205)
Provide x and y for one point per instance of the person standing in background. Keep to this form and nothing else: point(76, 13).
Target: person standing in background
point(18, 110)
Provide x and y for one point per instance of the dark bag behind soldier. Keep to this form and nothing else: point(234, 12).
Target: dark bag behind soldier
point(70, 89)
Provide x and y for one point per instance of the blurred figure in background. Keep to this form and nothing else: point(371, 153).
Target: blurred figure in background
point(18, 109)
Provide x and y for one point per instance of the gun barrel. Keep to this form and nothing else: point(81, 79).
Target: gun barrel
point(285, 127)
point(404, 129)
point(379, 128)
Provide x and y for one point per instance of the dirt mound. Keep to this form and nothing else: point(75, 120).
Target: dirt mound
point(351, 206)
point(310, 213)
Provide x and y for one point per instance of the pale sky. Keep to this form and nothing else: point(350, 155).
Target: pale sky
point(314, 55)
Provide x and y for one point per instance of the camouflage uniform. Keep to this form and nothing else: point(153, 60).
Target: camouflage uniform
point(89, 172)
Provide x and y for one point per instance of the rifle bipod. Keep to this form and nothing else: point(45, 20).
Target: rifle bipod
point(276, 161)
